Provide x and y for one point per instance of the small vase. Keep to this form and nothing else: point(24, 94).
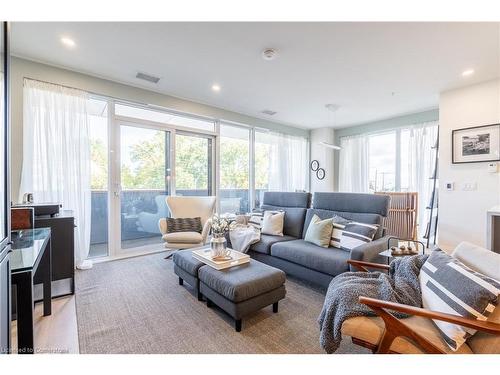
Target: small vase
point(218, 247)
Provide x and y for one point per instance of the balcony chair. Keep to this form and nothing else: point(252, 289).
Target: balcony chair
point(188, 207)
point(418, 334)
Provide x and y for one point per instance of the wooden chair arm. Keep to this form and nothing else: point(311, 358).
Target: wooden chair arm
point(480, 325)
point(363, 266)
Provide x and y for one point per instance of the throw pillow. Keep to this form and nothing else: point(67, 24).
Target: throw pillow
point(449, 286)
point(256, 220)
point(184, 224)
point(339, 224)
point(355, 234)
point(319, 232)
point(272, 223)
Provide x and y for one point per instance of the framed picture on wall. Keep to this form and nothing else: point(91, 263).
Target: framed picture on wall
point(476, 144)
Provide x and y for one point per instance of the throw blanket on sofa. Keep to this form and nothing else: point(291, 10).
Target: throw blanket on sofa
point(401, 285)
point(242, 236)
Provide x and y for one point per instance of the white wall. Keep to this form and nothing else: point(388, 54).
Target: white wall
point(21, 69)
point(462, 214)
point(325, 156)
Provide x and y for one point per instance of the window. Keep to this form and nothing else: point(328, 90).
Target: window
point(281, 163)
point(382, 162)
point(262, 167)
point(234, 169)
point(397, 160)
point(165, 117)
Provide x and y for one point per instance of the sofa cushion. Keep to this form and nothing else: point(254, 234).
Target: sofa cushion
point(183, 237)
point(352, 202)
point(242, 282)
point(286, 199)
point(330, 260)
point(294, 219)
point(264, 245)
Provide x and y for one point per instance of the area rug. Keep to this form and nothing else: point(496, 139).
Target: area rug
point(135, 305)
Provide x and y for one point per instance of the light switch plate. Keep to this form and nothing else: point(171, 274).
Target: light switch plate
point(493, 167)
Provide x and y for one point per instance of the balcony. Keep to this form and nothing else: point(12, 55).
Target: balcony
point(140, 211)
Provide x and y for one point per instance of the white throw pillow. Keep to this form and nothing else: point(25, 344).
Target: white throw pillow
point(272, 223)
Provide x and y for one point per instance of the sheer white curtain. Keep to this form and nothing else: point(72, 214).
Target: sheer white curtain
point(56, 154)
point(288, 164)
point(353, 164)
point(420, 166)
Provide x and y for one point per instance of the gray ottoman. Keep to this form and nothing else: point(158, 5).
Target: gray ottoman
point(244, 289)
point(187, 267)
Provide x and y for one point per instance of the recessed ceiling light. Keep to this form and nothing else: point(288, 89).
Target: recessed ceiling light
point(68, 42)
point(215, 87)
point(467, 72)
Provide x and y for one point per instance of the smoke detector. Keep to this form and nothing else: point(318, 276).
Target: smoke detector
point(147, 77)
point(269, 54)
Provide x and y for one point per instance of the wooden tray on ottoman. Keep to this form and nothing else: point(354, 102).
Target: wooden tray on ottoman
point(237, 258)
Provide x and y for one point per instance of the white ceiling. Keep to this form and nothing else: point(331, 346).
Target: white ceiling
point(371, 70)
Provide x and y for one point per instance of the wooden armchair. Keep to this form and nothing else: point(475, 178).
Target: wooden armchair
point(417, 334)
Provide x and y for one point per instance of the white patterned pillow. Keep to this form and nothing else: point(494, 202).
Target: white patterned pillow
point(451, 287)
point(339, 224)
point(256, 220)
point(355, 234)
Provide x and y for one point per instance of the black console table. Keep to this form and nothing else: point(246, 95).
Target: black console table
point(62, 228)
point(30, 256)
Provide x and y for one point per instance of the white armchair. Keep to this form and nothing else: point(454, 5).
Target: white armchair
point(185, 207)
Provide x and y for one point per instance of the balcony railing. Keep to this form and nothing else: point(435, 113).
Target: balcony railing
point(141, 210)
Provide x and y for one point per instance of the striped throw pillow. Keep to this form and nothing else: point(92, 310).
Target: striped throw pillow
point(256, 220)
point(451, 287)
point(184, 224)
point(355, 234)
point(339, 224)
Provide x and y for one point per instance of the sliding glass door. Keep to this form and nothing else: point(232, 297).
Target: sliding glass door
point(194, 156)
point(234, 169)
point(144, 185)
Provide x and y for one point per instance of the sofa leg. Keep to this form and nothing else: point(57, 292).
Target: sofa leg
point(209, 303)
point(200, 296)
point(181, 282)
point(275, 307)
point(237, 325)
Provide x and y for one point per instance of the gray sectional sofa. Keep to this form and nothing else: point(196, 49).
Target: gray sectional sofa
point(310, 262)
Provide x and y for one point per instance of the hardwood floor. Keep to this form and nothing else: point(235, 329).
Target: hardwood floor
point(57, 333)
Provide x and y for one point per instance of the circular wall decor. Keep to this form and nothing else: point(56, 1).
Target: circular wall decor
point(314, 165)
point(320, 173)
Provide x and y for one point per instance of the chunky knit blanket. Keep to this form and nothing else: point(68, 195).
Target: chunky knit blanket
point(400, 285)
